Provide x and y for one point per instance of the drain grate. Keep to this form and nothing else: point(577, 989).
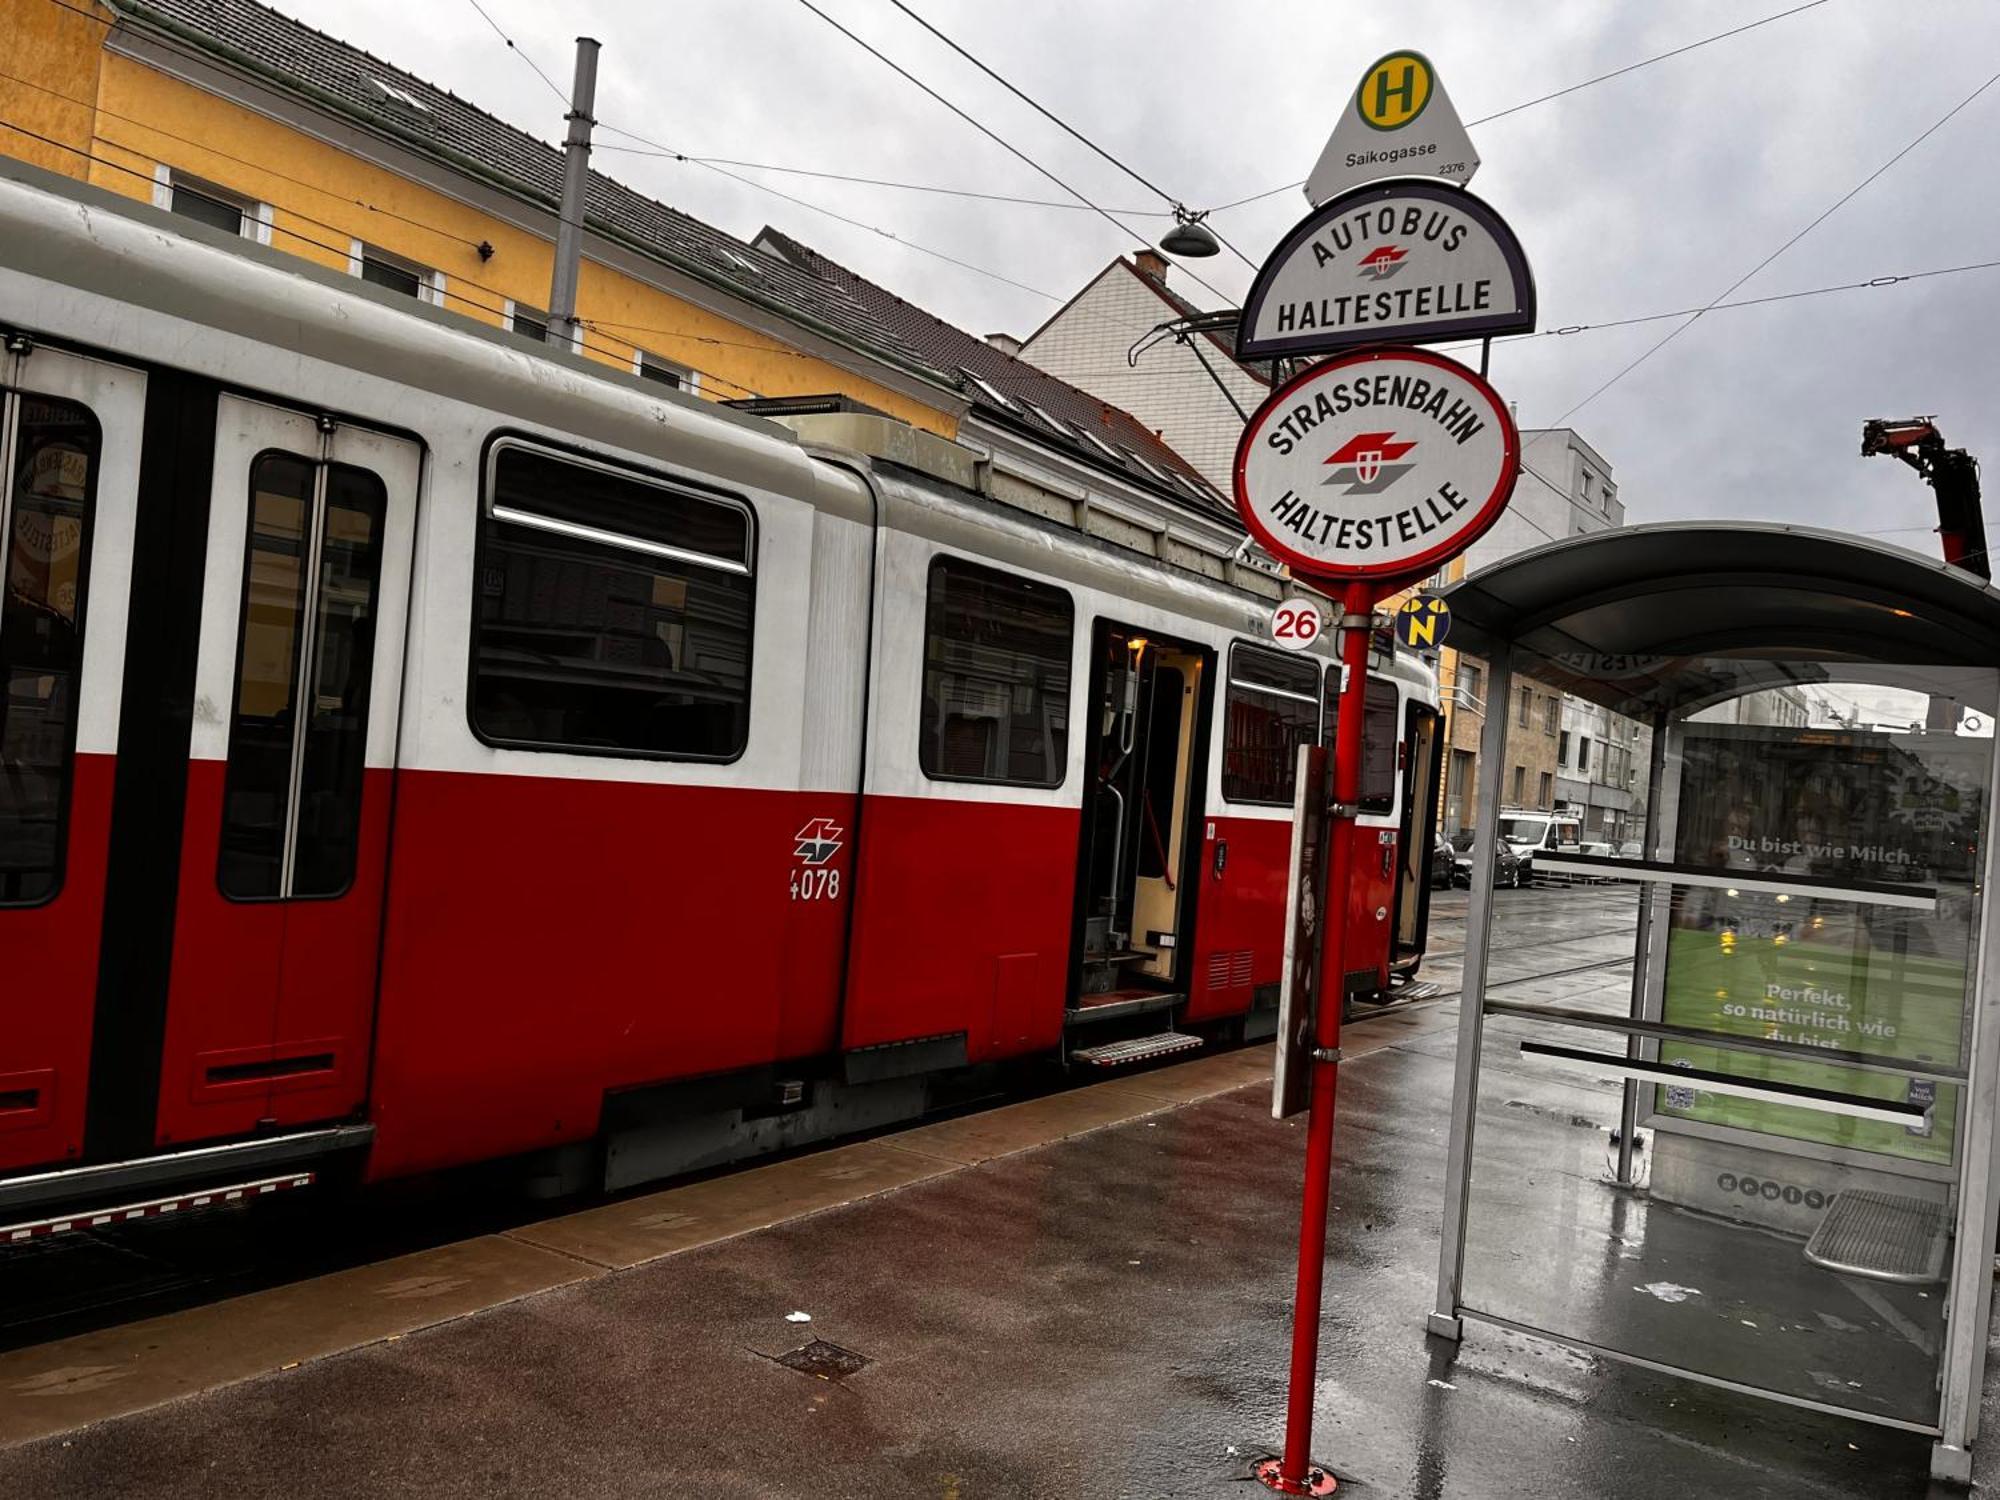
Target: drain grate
point(824, 1361)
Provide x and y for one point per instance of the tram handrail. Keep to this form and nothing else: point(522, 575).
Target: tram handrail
point(1864, 1062)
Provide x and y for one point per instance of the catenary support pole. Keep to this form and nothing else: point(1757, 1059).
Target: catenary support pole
point(1296, 1473)
point(576, 176)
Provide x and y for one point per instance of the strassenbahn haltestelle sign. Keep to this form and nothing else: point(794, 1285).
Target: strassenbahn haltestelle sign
point(1379, 464)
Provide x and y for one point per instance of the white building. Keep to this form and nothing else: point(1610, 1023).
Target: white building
point(1170, 387)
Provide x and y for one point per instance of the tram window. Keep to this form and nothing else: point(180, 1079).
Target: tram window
point(1381, 740)
point(281, 593)
point(51, 470)
point(996, 677)
point(1272, 708)
point(614, 613)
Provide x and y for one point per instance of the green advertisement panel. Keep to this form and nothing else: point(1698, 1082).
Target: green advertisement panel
point(1817, 971)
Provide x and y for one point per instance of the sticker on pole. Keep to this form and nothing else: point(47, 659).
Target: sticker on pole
point(1295, 624)
point(1423, 621)
point(1380, 464)
point(1398, 123)
point(1393, 263)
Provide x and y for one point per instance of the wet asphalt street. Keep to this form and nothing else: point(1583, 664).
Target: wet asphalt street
point(1103, 1316)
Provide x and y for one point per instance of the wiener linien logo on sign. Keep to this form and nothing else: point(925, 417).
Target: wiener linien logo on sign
point(1399, 122)
point(1404, 262)
point(1376, 463)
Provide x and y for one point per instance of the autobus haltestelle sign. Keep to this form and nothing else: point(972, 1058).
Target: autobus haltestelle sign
point(1377, 464)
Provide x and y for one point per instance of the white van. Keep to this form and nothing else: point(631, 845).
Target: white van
point(1526, 830)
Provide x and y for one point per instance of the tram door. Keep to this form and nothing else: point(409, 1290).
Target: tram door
point(297, 686)
point(69, 455)
point(1422, 787)
point(1139, 808)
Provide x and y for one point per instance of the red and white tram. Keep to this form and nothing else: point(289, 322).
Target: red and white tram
point(420, 746)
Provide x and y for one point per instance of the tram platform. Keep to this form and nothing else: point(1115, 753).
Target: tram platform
point(1084, 1295)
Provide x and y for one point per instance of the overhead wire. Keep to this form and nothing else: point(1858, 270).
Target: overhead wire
point(451, 290)
point(1512, 109)
point(554, 88)
point(1872, 283)
point(991, 134)
point(1046, 113)
point(241, 161)
point(764, 187)
point(881, 182)
point(715, 165)
point(1820, 219)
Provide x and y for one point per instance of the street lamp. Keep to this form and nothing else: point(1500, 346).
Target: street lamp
point(1190, 238)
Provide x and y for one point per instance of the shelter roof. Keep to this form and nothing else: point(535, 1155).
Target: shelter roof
point(1665, 615)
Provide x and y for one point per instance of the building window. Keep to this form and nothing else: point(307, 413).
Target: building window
point(1272, 707)
point(291, 795)
point(207, 203)
point(1583, 752)
point(1551, 710)
point(1548, 798)
point(382, 273)
point(664, 372)
point(615, 611)
point(529, 322)
point(1520, 785)
point(393, 273)
point(1472, 678)
point(49, 458)
point(1524, 714)
point(996, 677)
point(1562, 749)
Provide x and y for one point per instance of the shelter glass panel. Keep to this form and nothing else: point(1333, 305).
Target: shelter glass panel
point(1720, 1120)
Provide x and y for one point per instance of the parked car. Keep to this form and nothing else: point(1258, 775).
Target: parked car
point(1631, 849)
point(1444, 864)
point(1509, 868)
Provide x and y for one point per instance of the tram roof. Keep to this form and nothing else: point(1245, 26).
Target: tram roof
point(1651, 617)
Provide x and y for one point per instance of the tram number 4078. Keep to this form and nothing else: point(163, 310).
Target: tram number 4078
point(815, 885)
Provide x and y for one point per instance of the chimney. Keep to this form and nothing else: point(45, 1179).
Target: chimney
point(1006, 343)
point(1152, 265)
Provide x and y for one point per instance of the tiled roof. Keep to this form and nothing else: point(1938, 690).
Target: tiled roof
point(1036, 401)
point(327, 72)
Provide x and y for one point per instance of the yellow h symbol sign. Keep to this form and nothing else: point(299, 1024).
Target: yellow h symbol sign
point(1395, 90)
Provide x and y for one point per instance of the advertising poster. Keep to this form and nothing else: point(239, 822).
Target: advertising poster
point(1845, 805)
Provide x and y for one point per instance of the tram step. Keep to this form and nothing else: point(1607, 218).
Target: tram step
point(1111, 1004)
point(189, 1200)
point(1138, 1049)
point(1882, 1236)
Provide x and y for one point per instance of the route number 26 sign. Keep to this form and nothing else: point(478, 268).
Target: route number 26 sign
point(1295, 624)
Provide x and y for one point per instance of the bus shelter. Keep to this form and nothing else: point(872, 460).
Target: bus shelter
point(1742, 1128)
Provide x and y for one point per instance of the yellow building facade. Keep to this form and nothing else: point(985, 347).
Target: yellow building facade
point(418, 192)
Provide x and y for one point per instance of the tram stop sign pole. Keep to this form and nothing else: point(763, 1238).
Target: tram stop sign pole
point(1364, 473)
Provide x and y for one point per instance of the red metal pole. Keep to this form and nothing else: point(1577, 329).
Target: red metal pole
point(1296, 1474)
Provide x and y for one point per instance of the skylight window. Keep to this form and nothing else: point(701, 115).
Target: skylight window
point(1098, 443)
point(1151, 468)
point(401, 97)
point(989, 391)
point(1050, 422)
point(741, 262)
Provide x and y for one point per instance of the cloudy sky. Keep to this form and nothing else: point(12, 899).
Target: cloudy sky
point(1642, 194)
